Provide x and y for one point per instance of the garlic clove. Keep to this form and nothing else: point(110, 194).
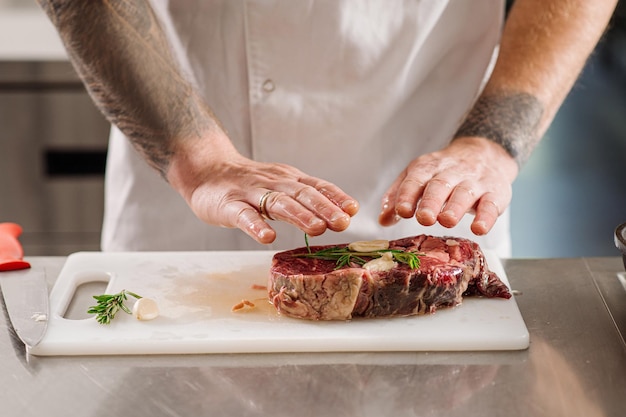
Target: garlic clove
point(369, 245)
point(383, 264)
point(145, 309)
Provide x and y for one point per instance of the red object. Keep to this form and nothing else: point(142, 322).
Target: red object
point(11, 251)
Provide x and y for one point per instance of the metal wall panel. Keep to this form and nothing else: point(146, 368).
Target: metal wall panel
point(52, 146)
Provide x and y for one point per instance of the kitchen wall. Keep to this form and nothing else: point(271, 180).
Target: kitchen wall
point(567, 200)
point(52, 139)
point(52, 154)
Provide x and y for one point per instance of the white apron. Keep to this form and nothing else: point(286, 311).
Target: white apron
point(348, 91)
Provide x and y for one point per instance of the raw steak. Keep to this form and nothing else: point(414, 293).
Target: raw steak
point(315, 289)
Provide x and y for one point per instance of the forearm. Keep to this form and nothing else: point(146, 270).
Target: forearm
point(125, 61)
point(544, 46)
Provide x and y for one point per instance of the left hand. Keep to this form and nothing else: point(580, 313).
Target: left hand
point(471, 174)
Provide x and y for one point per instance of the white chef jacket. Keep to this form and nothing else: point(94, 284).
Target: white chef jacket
point(348, 91)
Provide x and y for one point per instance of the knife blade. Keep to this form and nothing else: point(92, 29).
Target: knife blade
point(24, 289)
point(25, 295)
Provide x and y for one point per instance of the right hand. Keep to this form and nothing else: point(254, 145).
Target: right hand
point(223, 188)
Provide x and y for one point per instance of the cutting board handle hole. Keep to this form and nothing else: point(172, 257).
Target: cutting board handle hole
point(88, 284)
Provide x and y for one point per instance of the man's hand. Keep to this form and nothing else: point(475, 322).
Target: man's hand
point(223, 188)
point(544, 46)
point(470, 175)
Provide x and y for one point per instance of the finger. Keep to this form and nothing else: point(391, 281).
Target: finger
point(248, 219)
point(409, 192)
point(280, 206)
point(461, 201)
point(334, 194)
point(487, 212)
point(388, 215)
point(213, 208)
point(326, 201)
point(336, 219)
point(433, 198)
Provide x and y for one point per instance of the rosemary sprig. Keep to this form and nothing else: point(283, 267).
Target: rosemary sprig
point(109, 304)
point(410, 258)
point(344, 256)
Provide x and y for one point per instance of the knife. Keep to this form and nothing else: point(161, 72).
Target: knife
point(24, 289)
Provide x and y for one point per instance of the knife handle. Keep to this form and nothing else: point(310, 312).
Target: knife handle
point(11, 251)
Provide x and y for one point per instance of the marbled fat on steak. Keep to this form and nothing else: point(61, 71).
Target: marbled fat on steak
point(310, 288)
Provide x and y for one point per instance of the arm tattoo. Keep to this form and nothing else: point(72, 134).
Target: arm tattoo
point(509, 119)
point(123, 56)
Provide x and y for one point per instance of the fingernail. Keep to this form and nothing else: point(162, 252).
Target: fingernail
point(316, 222)
point(480, 226)
point(425, 214)
point(339, 217)
point(405, 209)
point(449, 214)
point(349, 206)
point(266, 233)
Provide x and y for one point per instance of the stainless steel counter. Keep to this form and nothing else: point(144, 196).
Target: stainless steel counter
point(575, 366)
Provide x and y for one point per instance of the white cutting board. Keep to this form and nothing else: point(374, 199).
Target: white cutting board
point(195, 292)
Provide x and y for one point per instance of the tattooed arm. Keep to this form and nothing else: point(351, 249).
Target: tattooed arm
point(544, 46)
point(124, 58)
point(120, 52)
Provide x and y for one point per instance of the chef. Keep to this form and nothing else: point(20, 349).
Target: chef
point(245, 123)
